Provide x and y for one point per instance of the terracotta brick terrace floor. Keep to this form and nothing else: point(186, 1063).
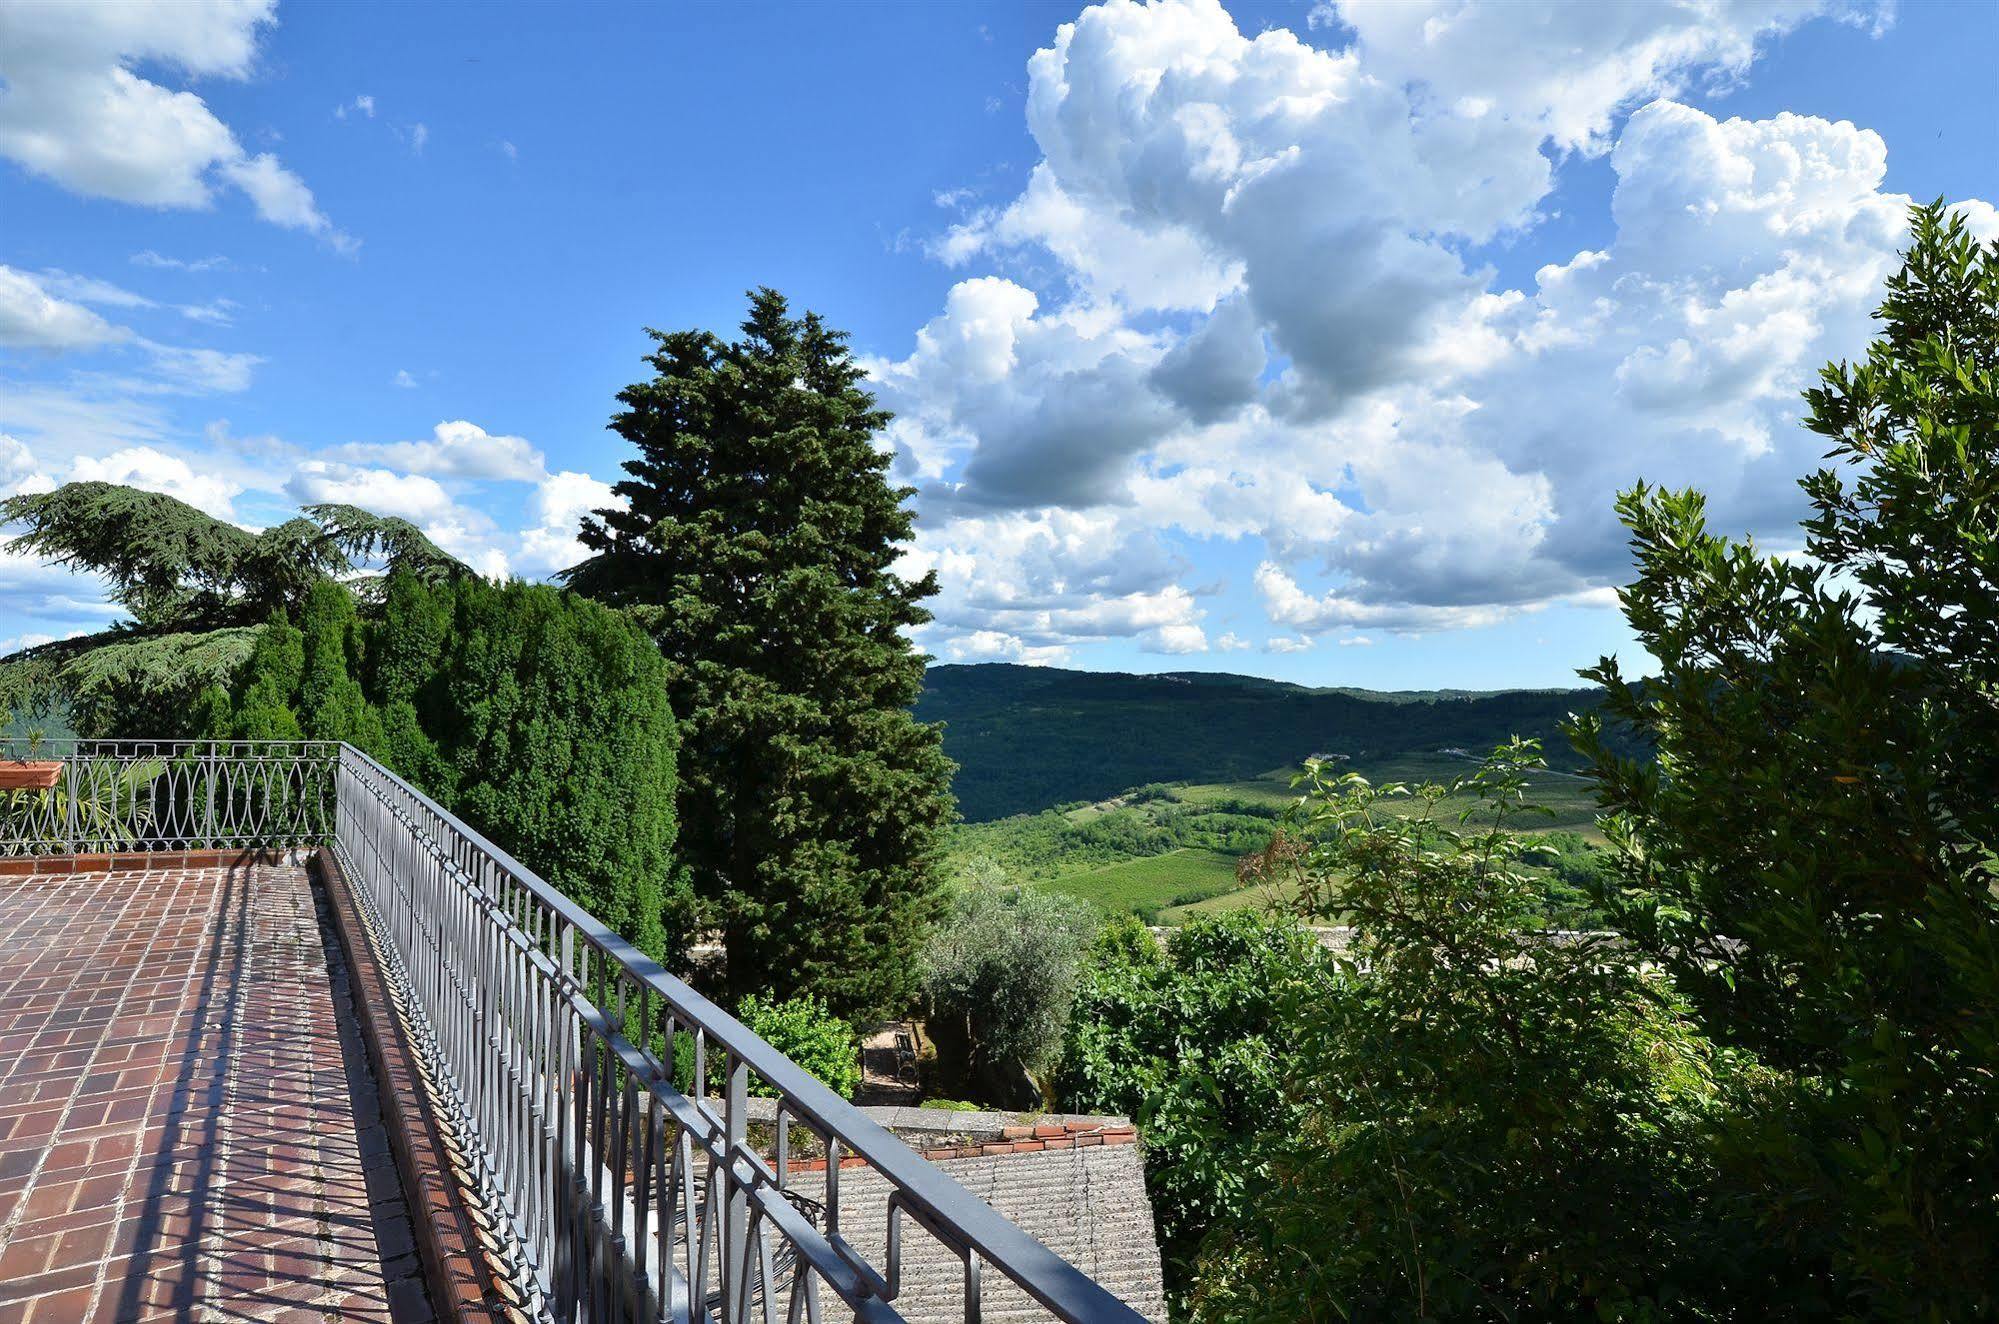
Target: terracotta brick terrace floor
point(189, 1129)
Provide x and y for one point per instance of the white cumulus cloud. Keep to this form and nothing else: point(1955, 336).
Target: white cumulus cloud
point(75, 111)
point(557, 508)
point(455, 449)
point(31, 317)
point(158, 471)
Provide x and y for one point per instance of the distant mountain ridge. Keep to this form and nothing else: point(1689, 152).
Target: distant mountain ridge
point(1026, 738)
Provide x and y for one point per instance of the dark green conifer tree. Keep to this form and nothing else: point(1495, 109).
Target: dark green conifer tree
point(331, 702)
point(269, 683)
point(758, 546)
point(554, 734)
point(404, 659)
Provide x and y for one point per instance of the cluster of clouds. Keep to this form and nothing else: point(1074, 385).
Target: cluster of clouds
point(1244, 300)
point(104, 423)
point(76, 112)
point(440, 483)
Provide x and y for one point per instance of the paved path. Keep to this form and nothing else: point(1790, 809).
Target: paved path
point(188, 1127)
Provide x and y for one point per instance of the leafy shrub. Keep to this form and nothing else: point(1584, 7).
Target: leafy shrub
point(1190, 1041)
point(801, 1028)
point(1000, 969)
point(806, 1032)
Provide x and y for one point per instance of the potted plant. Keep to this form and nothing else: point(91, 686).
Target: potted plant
point(31, 773)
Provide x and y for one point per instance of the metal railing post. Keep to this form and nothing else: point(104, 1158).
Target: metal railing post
point(213, 769)
point(69, 841)
point(736, 1212)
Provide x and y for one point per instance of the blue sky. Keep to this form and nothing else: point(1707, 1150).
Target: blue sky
point(1308, 341)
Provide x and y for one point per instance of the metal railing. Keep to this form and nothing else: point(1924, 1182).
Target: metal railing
point(604, 1103)
point(112, 796)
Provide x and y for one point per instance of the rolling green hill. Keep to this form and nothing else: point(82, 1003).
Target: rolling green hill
point(1028, 737)
point(1168, 852)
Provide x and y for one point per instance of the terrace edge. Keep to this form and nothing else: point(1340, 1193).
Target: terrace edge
point(455, 1240)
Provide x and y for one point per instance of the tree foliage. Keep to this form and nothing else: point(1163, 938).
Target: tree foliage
point(550, 725)
point(1812, 854)
point(537, 715)
point(758, 539)
point(149, 683)
point(1191, 1041)
point(175, 567)
point(330, 703)
point(1484, 1121)
point(198, 589)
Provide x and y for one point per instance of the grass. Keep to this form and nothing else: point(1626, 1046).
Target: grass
point(1566, 794)
point(1273, 788)
point(1261, 897)
point(1149, 886)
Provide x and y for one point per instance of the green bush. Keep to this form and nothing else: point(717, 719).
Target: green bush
point(539, 716)
point(804, 1030)
point(553, 733)
point(1483, 1124)
point(1000, 969)
point(801, 1028)
point(1190, 1040)
point(1777, 1095)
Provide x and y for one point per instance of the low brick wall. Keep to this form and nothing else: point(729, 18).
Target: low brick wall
point(462, 1259)
point(138, 861)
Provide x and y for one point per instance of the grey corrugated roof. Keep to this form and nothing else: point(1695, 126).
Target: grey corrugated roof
point(1088, 1205)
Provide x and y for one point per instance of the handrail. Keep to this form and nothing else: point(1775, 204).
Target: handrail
point(920, 1186)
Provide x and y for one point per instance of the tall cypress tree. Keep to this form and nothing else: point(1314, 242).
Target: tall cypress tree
point(758, 545)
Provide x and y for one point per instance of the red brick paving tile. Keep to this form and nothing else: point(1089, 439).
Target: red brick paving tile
point(25, 1257)
point(70, 1307)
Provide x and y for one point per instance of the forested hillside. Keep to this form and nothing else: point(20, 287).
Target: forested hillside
point(1025, 738)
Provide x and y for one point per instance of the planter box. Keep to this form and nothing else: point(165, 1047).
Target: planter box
point(17, 775)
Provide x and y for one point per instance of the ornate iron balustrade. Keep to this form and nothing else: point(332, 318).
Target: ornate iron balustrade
point(570, 1060)
point(112, 796)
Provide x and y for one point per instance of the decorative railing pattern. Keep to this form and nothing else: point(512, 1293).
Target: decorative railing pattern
point(604, 1103)
point(150, 795)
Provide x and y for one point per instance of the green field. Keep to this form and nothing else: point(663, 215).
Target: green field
point(1154, 883)
point(1168, 853)
point(1566, 795)
point(1263, 896)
